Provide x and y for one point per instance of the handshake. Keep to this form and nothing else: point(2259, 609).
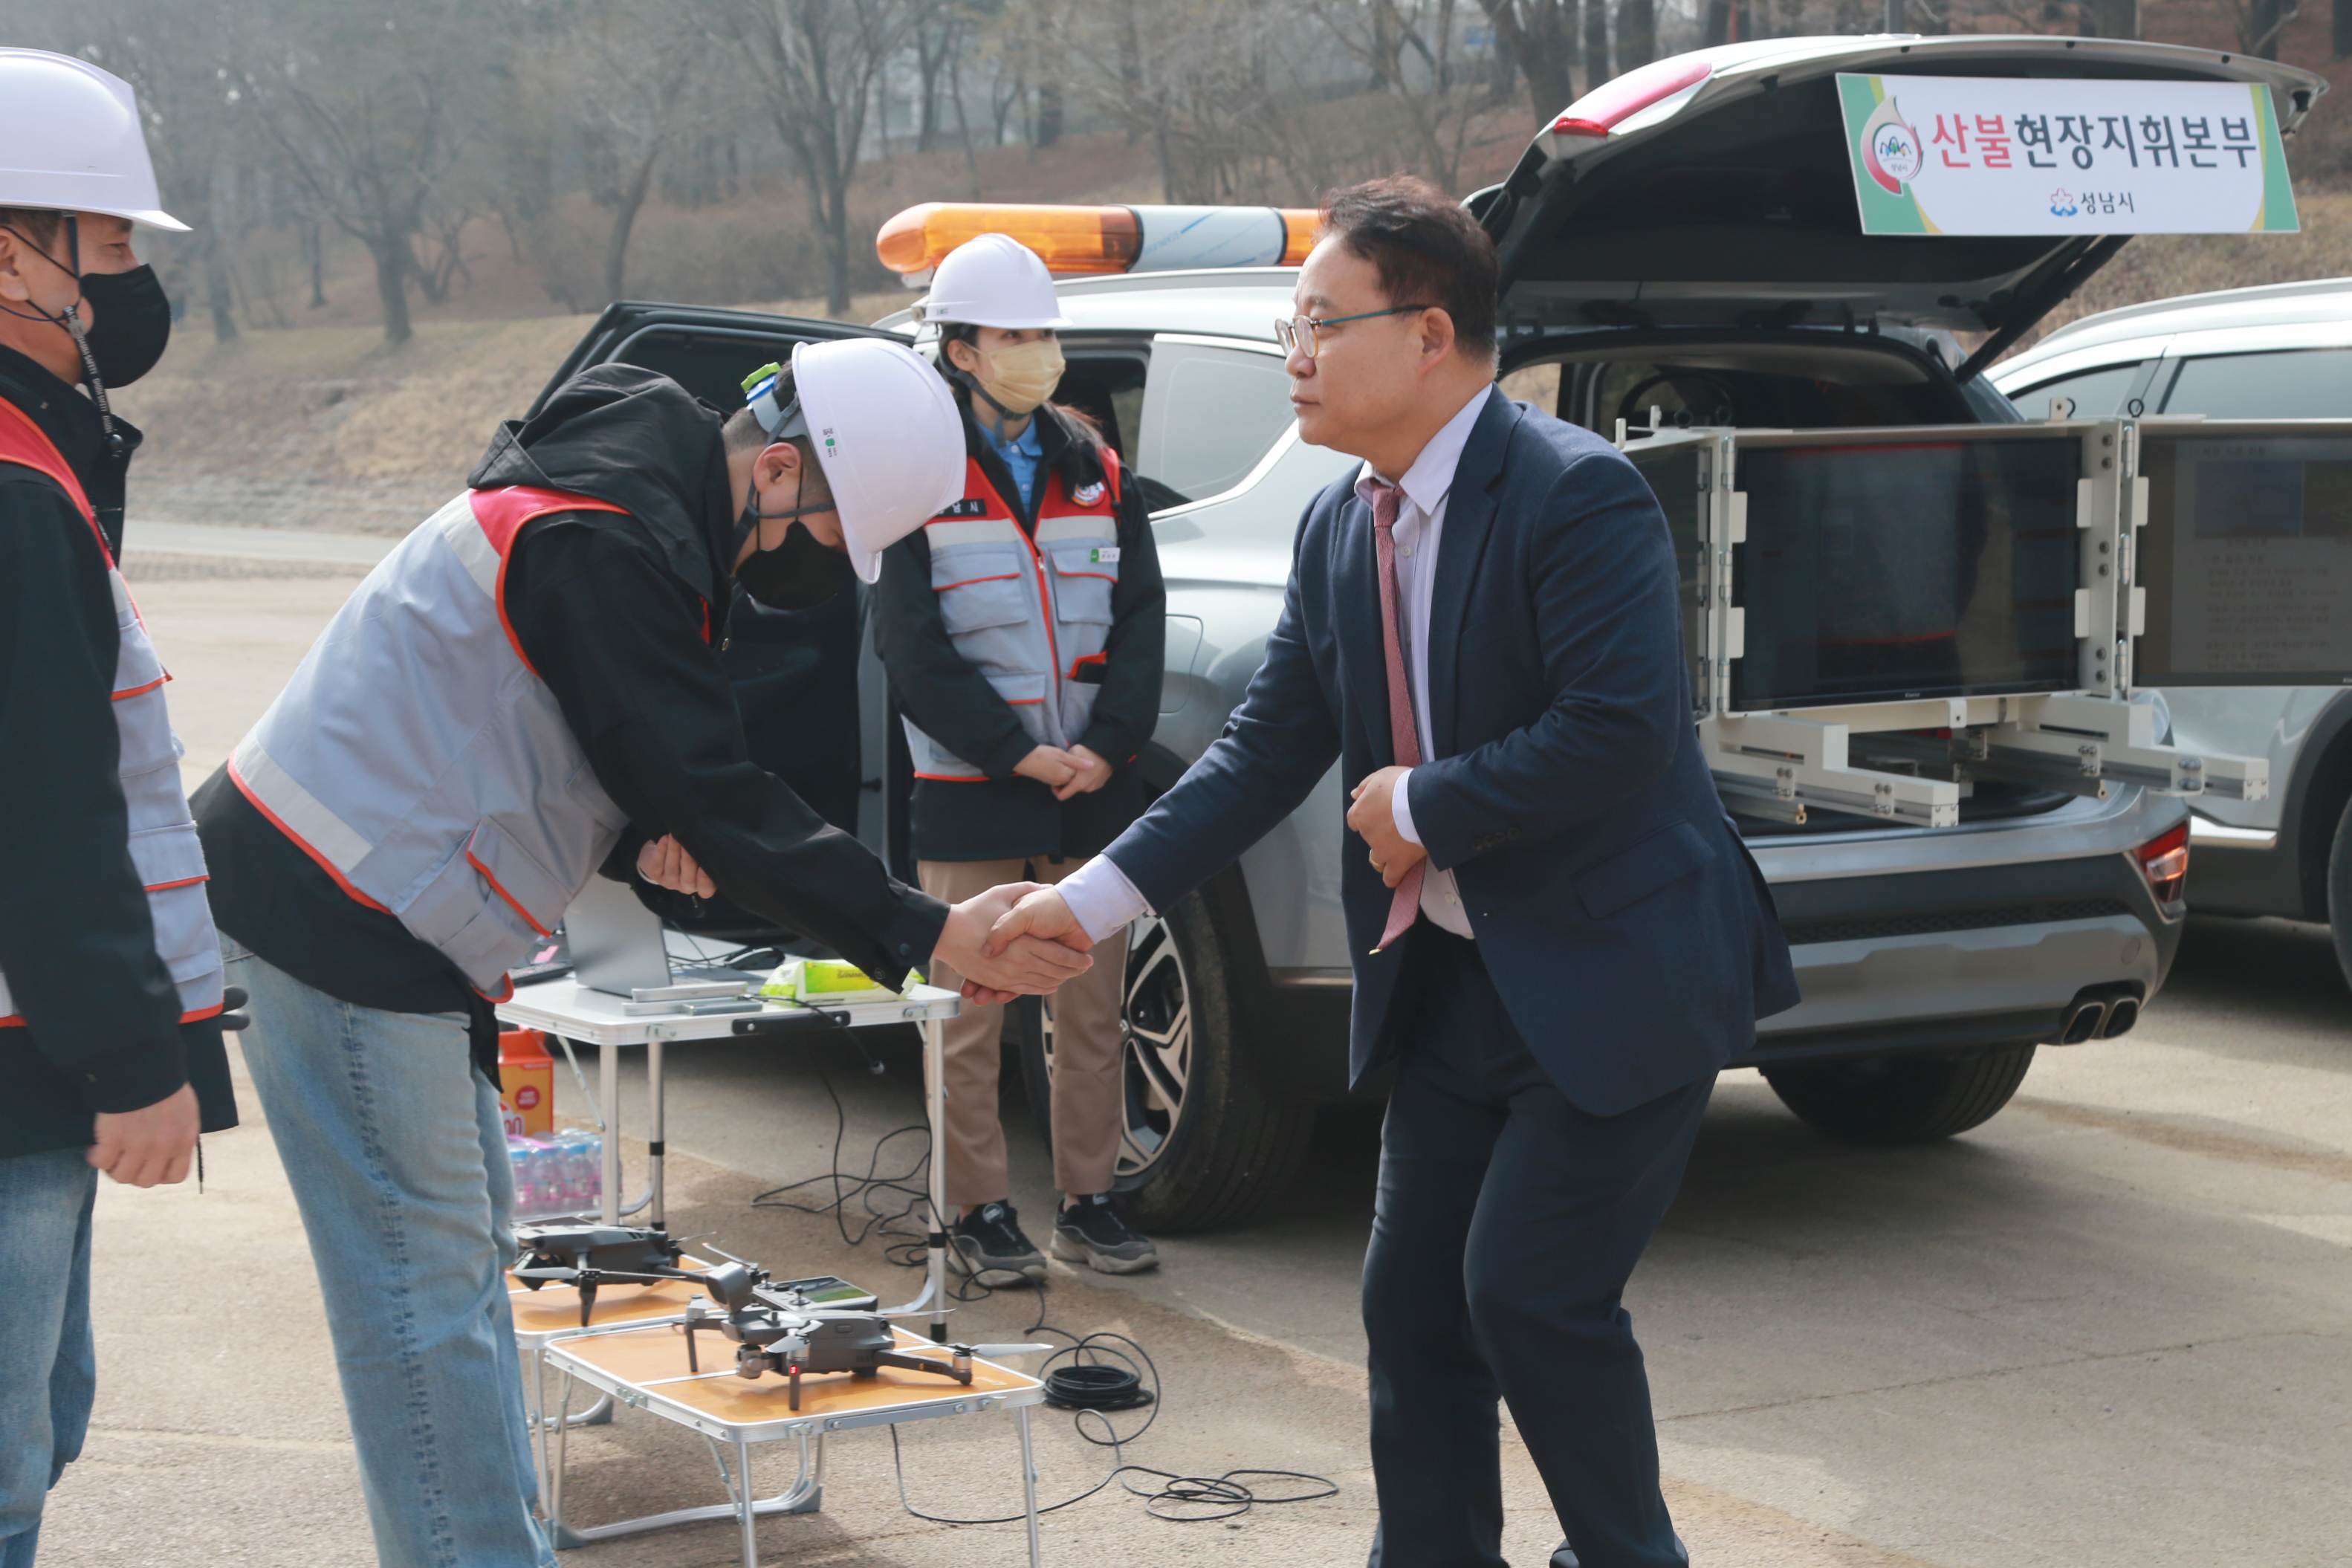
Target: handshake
point(1019, 940)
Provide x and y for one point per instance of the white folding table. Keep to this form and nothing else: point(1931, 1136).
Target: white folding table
point(570, 1011)
point(647, 1369)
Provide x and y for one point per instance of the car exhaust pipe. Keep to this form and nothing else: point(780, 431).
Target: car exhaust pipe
point(2099, 1013)
point(2083, 1021)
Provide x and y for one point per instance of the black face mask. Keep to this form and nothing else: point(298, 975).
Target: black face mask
point(133, 325)
point(134, 317)
point(798, 574)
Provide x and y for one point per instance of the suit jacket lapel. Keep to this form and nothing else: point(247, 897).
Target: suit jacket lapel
point(1469, 519)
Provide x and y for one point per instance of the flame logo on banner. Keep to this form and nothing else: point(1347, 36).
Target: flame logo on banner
point(1891, 148)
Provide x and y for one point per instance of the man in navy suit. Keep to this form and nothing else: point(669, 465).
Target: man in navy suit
point(1559, 938)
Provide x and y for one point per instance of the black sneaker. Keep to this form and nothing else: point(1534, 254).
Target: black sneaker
point(1091, 1231)
point(989, 1247)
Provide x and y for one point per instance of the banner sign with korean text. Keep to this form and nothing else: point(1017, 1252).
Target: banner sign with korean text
point(2016, 156)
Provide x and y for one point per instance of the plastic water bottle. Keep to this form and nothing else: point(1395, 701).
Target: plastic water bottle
point(527, 1157)
point(584, 1169)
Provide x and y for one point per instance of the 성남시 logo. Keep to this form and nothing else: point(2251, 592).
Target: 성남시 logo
point(1891, 150)
point(2062, 203)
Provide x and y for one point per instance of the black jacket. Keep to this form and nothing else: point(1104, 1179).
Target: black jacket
point(611, 609)
point(1006, 816)
point(102, 1028)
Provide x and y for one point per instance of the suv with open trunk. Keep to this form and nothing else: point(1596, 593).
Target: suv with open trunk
point(1685, 240)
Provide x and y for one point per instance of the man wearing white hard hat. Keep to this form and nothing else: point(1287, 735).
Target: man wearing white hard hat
point(526, 691)
point(1023, 631)
point(111, 986)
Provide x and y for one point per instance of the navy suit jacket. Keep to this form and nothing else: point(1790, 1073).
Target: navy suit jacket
point(1631, 938)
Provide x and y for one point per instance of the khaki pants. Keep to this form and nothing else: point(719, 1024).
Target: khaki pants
point(1088, 1087)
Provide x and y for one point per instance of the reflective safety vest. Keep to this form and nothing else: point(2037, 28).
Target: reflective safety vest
point(419, 759)
point(1032, 614)
point(164, 845)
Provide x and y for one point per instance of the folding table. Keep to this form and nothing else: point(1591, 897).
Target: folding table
point(570, 1011)
point(647, 1369)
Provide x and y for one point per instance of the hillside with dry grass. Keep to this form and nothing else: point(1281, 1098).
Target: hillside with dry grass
point(320, 425)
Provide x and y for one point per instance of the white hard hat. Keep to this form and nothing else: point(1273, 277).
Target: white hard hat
point(888, 435)
point(994, 281)
point(72, 141)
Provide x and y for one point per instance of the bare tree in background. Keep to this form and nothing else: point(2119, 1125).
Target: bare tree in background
point(1541, 39)
point(1408, 45)
point(628, 78)
point(361, 108)
point(1637, 34)
point(2262, 24)
point(816, 63)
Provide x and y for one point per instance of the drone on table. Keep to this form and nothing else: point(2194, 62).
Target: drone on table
point(776, 1330)
point(587, 1255)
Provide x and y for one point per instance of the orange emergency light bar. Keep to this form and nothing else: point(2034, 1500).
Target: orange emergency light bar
point(1098, 240)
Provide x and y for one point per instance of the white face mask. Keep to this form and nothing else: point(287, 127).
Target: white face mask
point(1022, 376)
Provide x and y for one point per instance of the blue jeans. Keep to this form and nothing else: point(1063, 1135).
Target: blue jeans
point(398, 1159)
point(48, 1370)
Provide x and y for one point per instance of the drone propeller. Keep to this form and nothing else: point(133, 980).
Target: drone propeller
point(992, 1351)
point(569, 1274)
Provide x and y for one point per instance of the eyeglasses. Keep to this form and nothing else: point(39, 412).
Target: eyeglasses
point(1302, 334)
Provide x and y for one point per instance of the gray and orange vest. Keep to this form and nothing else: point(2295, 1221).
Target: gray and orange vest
point(163, 847)
point(419, 759)
point(1031, 613)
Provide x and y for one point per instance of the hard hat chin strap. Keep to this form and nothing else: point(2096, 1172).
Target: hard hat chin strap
point(753, 516)
point(971, 384)
point(70, 320)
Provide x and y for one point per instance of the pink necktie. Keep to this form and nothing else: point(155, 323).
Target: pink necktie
point(1404, 737)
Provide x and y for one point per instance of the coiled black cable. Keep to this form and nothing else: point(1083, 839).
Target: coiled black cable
point(1100, 1380)
point(1095, 1388)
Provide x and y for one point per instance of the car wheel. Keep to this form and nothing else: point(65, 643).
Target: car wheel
point(2340, 891)
point(1902, 1099)
point(1202, 1144)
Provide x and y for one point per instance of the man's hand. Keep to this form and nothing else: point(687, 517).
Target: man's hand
point(998, 971)
point(1041, 913)
point(1090, 773)
point(1373, 816)
point(1050, 766)
point(665, 864)
point(151, 1146)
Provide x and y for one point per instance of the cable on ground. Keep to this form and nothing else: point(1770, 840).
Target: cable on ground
point(1099, 1381)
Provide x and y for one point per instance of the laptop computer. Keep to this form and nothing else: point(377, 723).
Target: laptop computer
point(617, 946)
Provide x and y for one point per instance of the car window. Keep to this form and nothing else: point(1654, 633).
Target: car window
point(1104, 381)
point(2096, 393)
point(1208, 414)
point(2299, 384)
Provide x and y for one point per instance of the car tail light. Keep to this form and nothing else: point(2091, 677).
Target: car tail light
point(2166, 862)
point(1599, 112)
point(1083, 240)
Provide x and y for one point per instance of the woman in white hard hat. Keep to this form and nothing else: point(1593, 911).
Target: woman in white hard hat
point(111, 991)
point(1024, 630)
point(526, 691)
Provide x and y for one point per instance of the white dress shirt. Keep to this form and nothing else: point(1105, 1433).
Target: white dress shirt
point(1099, 894)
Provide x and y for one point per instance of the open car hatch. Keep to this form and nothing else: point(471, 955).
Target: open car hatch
point(1713, 189)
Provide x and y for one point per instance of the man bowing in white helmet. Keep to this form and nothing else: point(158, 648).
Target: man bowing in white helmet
point(525, 692)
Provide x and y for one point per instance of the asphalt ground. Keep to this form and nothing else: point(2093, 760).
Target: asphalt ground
point(2108, 1328)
